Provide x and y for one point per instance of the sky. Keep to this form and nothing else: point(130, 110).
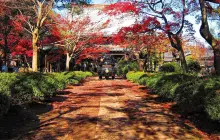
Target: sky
point(102, 1)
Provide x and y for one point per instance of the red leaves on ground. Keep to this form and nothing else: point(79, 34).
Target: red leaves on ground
point(167, 105)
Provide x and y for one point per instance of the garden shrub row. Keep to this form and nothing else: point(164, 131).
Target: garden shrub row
point(191, 93)
point(124, 67)
point(21, 88)
point(193, 66)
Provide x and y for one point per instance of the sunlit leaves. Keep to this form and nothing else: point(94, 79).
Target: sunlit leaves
point(24, 47)
point(121, 7)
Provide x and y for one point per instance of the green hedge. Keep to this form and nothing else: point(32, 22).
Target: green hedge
point(191, 93)
point(193, 66)
point(21, 88)
point(124, 67)
point(170, 67)
point(135, 76)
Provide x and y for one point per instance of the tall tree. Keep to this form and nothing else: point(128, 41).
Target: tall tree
point(206, 33)
point(77, 34)
point(140, 38)
point(33, 14)
point(9, 31)
point(171, 17)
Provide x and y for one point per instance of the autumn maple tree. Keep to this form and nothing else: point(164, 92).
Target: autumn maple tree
point(157, 12)
point(142, 39)
point(10, 32)
point(78, 35)
point(32, 15)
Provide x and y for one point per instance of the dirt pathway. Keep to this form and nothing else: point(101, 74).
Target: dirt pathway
point(110, 110)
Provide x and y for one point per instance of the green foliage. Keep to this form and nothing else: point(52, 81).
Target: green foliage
point(212, 100)
point(167, 67)
point(79, 75)
point(170, 67)
point(193, 66)
point(4, 104)
point(153, 79)
point(18, 89)
point(201, 95)
point(125, 66)
point(177, 66)
point(190, 96)
point(167, 84)
point(7, 80)
point(135, 76)
point(191, 93)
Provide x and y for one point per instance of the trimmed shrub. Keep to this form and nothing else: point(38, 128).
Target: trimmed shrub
point(177, 66)
point(153, 80)
point(167, 68)
point(7, 80)
point(125, 66)
point(190, 96)
point(143, 79)
point(191, 93)
point(18, 89)
point(193, 66)
point(200, 95)
point(212, 100)
point(135, 76)
point(170, 67)
point(168, 84)
point(4, 104)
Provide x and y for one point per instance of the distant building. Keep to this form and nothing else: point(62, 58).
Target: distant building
point(206, 60)
point(168, 57)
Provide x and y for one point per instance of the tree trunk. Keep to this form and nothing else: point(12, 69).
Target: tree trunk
point(35, 37)
point(25, 58)
point(68, 58)
point(51, 68)
point(206, 34)
point(45, 63)
point(145, 63)
point(48, 67)
point(5, 50)
point(151, 64)
point(217, 61)
point(179, 47)
point(183, 60)
point(58, 66)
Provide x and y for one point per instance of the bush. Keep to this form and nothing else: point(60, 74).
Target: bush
point(177, 67)
point(143, 79)
point(190, 96)
point(79, 75)
point(4, 104)
point(170, 67)
point(193, 66)
point(18, 89)
point(125, 66)
point(168, 84)
point(200, 95)
point(153, 80)
point(6, 80)
point(191, 93)
point(135, 76)
point(167, 68)
point(212, 100)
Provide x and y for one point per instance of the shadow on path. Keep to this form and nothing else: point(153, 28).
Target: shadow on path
point(106, 110)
